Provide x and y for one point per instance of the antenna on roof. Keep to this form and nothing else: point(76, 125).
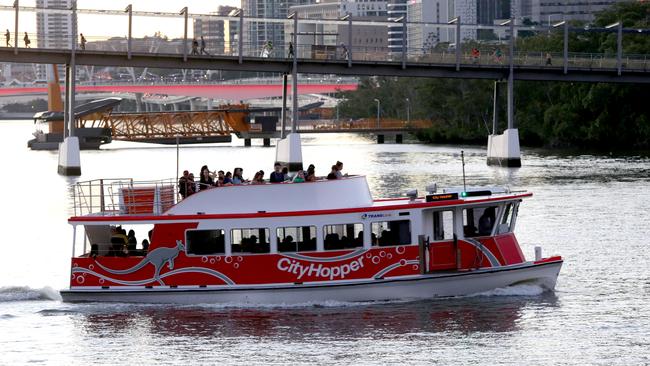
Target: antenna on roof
point(462, 158)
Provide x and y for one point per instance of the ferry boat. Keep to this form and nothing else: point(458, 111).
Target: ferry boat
point(288, 243)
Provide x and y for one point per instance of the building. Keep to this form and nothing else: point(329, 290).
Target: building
point(551, 11)
point(396, 9)
point(259, 33)
point(53, 30)
point(368, 39)
point(213, 30)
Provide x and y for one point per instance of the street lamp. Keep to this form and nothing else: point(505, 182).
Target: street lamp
point(408, 111)
point(378, 109)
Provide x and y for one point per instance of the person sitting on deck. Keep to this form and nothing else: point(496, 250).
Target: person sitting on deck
point(227, 179)
point(332, 174)
point(145, 246)
point(237, 176)
point(300, 177)
point(220, 179)
point(206, 180)
point(339, 168)
point(277, 176)
point(311, 173)
point(258, 178)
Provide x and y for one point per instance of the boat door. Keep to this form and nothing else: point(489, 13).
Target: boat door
point(440, 227)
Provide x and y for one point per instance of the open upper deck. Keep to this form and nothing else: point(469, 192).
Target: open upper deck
point(113, 200)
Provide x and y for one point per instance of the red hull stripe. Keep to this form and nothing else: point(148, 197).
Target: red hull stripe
point(81, 219)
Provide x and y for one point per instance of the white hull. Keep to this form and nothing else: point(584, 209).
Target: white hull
point(403, 288)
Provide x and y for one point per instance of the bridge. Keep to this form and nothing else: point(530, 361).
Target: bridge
point(467, 59)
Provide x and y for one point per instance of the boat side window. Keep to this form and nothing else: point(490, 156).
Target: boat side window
point(443, 225)
point(205, 242)
point(479, 221)
point(507, 219)
point(254, 240)
point(296, 239)
point(387, 233)
point(342, 236)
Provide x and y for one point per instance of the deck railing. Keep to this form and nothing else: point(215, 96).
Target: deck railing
point(123, 197)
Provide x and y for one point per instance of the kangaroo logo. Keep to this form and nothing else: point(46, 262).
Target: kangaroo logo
point(157, 257)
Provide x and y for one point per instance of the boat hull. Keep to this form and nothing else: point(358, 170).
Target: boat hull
point(398, 288)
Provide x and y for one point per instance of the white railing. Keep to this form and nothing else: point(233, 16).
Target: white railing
point(123, 197)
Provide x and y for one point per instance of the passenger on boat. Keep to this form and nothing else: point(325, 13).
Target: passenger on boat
point(191, 186)
point(132, 242)
point(183, 184)
point(486, 221)
point(285, 173)
point(300, 177)
point(277, 176)
point(145, 246)
point(227, 179)
point(311, 173)
point(332, 174)
point(237, 176)
point(258, 178)
point(339, 168)
point(206, 180)
point(220, 179)
point(119, 242)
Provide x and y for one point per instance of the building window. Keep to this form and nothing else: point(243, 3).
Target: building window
point(205, 242)
point(479, 221)
point(250, 240)
point(296, 239)
point(387, 233)
point(342, 236)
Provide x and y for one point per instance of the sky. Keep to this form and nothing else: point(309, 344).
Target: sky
point(103, 26)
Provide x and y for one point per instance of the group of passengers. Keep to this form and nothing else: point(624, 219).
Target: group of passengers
point(123, 244)
point(208, 179)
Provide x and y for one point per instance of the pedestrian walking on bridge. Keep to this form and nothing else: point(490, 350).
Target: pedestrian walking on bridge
point(82, 42)
point(27, 41)
point(203, 51)
point(8, 38)
point(195, 47)
point(291, 54)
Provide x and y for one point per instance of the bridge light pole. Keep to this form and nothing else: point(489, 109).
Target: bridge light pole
point(129, 9)
point(408, 111)
point(378, 109)
point(348, 17)
point(17, 7)
point(619, 45)
point(402, 19)
point(456, 21)
point(240, 36)
point(565, 43)
point(294, 74)
point(184, 12)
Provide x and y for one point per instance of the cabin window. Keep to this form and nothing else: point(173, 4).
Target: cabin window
point(342, 236)
point(388, 233)
point(205, 242)
point(479, 221)
point(443, 225)
point(250, 240)
point(296, 239)
point(509, 213)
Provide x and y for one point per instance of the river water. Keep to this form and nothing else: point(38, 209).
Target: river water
point(593, 210)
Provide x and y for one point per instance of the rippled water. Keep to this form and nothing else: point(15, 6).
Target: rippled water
point(593, 210)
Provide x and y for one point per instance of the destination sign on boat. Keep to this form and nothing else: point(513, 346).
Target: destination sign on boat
point(442, 197)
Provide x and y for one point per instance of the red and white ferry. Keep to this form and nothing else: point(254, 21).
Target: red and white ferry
point(297, 243)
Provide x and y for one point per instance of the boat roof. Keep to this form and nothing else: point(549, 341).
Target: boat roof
point(324, 197)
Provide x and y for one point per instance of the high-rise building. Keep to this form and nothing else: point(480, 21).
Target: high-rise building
point(53, 30)
point(550, 11)
point(213, 31)
point(396, 9)
point(258, 33)
point(423, 37)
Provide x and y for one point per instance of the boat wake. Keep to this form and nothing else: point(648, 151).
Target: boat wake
point(514, 290)
point(24, 293)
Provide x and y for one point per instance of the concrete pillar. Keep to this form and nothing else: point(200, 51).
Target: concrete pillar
point(247, 142)
point(399, 138)
point(380, 139)
point(267, 142)
point(192, 104)
point(138, 102)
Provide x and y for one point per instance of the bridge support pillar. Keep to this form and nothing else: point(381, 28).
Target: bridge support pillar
point(503, 150)
point(267, 141)
point(399, 138)
point(247, 142)
point(380, 139)
point(69, 152)
point(69, 157)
